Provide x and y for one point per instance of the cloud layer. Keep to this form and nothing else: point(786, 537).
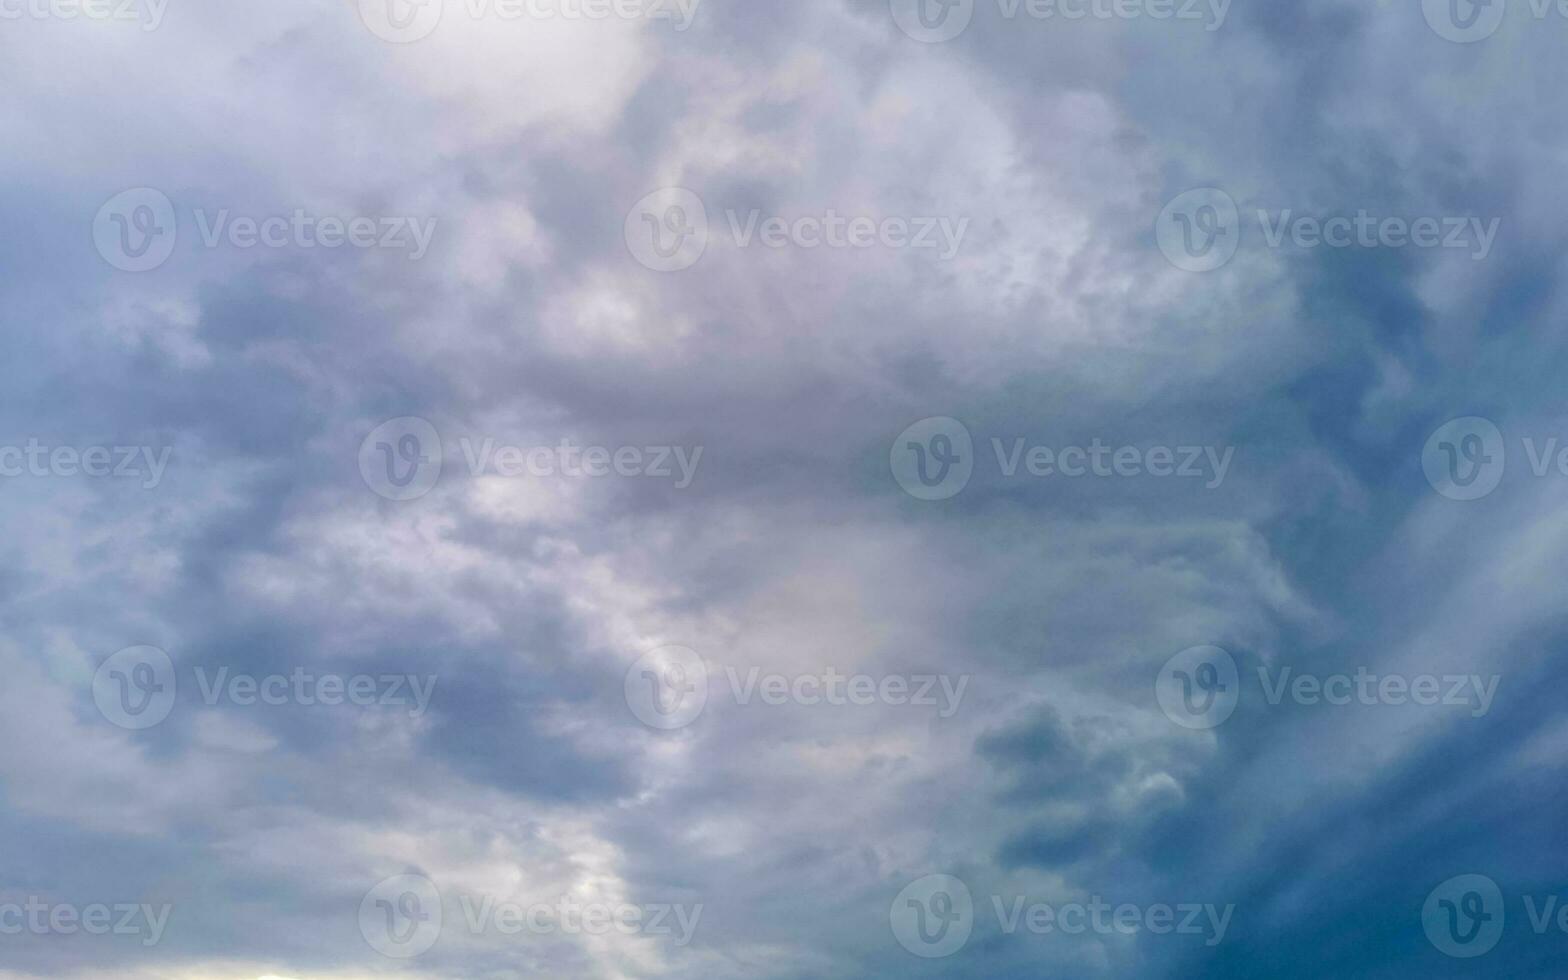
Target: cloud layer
point(651, 420)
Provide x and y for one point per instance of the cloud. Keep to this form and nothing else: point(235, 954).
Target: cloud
point(266, 552)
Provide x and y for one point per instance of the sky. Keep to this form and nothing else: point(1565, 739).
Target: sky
point(856, 488)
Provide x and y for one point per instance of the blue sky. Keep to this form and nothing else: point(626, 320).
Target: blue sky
point(861, 488)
